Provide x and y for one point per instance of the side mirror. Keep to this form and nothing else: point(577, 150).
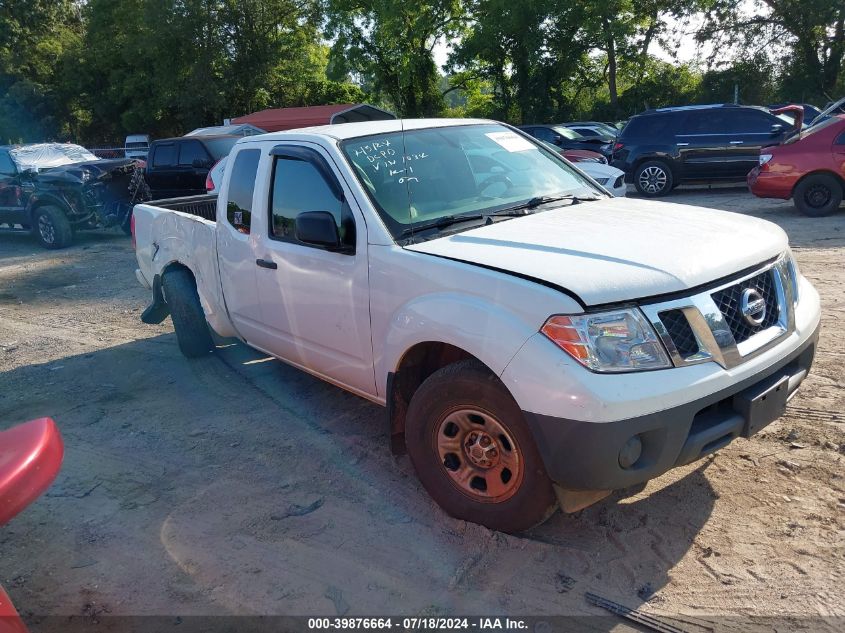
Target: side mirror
point(558, 139)
point(777, 128)
point(318, 228)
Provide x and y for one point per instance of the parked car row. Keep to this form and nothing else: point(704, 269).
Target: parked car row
point(783, 150)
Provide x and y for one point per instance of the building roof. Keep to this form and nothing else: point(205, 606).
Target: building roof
point(280, 119)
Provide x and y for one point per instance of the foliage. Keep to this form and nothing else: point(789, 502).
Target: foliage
point(94, 70)
point(37, 38)
point(391, 44)
point(809, 35)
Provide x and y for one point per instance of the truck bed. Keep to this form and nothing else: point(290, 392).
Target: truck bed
point(201, 206)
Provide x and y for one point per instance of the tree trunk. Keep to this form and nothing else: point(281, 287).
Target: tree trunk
point(611, 70)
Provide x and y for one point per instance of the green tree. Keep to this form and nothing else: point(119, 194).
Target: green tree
point(389, 45)
point(37, 37)
point(810, 32)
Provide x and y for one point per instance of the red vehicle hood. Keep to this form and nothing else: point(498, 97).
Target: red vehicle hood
point(30, 458)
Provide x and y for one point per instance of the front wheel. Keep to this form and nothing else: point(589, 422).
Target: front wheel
point(51, 227)
point(473, 452)
point(653, 178)
point(818, 195)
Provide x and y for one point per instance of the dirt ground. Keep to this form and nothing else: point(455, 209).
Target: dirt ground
point(237, 485)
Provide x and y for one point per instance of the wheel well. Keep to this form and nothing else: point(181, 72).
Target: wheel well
point(417, 364)
point(47, 203)
point(820, 172)
point(158, 284)
point(656, 159)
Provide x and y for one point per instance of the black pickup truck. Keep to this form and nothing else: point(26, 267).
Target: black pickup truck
point(55, 189)
point(179, 167)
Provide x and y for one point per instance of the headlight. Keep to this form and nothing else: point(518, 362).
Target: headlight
point(621, 340)
point(764, 158)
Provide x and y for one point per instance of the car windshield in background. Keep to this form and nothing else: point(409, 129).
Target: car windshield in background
point(47, 155)
point(220, 147)
point(568, 133)
point(468, 170)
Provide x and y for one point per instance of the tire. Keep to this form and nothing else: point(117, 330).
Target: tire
point(653, 178)
point(126, 225)
point(818, 195)
point(51, 227)
point(463, 421)
point(180, 292)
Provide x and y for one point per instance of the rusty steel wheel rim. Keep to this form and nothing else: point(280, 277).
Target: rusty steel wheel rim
point(479, 455)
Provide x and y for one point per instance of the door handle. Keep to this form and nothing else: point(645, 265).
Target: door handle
point(266, 264)
point(681, 144)
point(736, 142)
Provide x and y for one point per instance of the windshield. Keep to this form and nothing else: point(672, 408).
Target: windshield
point(46, 155)
point(457, 170)
point(568, 133)
point(220, 147)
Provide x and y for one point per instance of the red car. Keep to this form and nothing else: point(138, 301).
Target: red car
point(809, 168)
point(30, 458)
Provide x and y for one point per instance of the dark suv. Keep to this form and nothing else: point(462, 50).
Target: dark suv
point(179, 166)
point(660, 149)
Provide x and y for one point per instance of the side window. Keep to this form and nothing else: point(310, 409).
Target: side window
point(241, 189)
point(189, 151)
point(165, 155)
point(544, 134)
point(750, 122)
point(298, 186)
point(7, 167)
point(585, 131)
point(706, 122)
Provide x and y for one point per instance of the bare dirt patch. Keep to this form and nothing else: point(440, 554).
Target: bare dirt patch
point(237, 485)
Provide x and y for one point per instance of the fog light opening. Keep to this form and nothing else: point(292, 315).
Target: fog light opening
point(631, 452)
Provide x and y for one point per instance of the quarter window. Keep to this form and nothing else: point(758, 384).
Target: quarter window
point(299, 187)
point(241, 189)
point(165, 155)
point(190, 151)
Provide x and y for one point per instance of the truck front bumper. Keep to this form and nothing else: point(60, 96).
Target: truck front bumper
point(597, 456)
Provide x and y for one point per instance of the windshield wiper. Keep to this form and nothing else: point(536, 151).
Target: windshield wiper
point(536, 201)
point(441, 223)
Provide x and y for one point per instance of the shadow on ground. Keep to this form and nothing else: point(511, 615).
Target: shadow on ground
point(229, 486)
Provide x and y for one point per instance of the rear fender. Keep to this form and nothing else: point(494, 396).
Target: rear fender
point(169, 238)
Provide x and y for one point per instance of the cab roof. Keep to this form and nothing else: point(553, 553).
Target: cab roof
point(343, 131)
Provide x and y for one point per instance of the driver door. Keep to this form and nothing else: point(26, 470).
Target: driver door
point(12, 202)
point(315, 299)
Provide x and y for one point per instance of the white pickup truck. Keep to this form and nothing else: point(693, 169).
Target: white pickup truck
point(533, 339)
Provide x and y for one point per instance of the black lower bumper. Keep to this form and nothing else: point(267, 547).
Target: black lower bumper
point(586, 455)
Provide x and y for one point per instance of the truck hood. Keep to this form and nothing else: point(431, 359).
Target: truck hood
point(620, 249)
point(81, 173)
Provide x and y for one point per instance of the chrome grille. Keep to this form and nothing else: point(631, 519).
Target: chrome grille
point(728, 301)
point(710, 326)
point(679, 330)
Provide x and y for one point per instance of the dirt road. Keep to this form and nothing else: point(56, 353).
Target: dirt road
point(237, 485)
